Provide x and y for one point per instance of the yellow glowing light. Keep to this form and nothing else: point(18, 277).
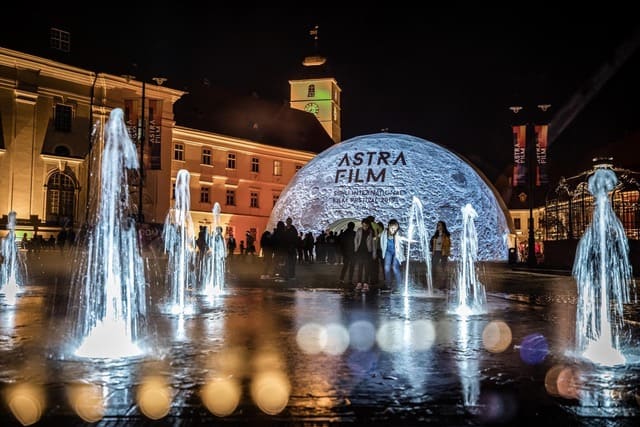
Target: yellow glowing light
point(221, 396)
point(26, 402)
point(568, 383)
point(312, 338)
point(270, 391)
point(551, 380)
point(87, 401)
point(154, 398)
point(390, 336)
point(496, 336)
point(337, 339)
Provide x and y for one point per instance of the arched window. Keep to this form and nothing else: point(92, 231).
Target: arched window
point(60, 199)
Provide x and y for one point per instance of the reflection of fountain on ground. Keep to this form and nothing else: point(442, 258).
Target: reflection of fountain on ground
point(108, 285)
point(13, 268)
point(179, 243)
point(417, 229)
point(467, 362)
point(469, 294)
point(214, 272)
point(604, 286)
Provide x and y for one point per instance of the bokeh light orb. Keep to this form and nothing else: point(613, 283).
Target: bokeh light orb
point(379, 175)
point(534, 348)
point(496, 336)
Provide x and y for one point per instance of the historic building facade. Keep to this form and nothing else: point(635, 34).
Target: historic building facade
point(48, 115)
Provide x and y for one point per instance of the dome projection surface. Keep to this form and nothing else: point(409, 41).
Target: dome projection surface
point(379, 175)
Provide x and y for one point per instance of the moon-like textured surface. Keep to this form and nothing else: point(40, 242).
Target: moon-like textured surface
point(379, 175)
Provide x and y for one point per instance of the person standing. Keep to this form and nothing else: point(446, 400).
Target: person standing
point(231, 244)
point(364, 254)
point(347, 250)
point(392, 254)
point(440, 250)
point(291, 244)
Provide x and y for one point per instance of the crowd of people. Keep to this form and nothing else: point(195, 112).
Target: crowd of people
point(371, 255)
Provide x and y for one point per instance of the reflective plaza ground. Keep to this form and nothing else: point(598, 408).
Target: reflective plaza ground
point(309, 352)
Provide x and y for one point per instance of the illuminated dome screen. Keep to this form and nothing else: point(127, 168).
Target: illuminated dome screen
point(379, 175)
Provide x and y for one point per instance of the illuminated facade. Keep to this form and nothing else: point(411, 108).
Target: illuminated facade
point(244, 177)
point(321, 97)
point(46, 112)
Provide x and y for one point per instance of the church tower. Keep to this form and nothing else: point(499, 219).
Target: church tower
point(318, 93)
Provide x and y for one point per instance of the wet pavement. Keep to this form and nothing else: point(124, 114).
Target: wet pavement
point(309, 352)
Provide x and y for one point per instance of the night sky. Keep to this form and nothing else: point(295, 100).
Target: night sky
point(445, 74)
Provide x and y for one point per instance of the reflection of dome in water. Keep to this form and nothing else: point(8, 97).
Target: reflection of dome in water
point(379, 175)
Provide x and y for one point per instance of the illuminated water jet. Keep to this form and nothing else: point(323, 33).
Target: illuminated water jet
point(214, 273)
point(13, 268)
point(417, 228)
point(108, 287)
point(603, 275)
point(179, 244)
point(470, 296)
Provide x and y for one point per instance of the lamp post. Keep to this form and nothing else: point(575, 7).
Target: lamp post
point(531, 180)
point(533, 147)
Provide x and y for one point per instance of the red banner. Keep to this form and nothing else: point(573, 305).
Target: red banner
point(519, 155)
point(154, 132)
point(541, 132)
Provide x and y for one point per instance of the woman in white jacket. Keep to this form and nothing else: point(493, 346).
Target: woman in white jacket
point(392, 253)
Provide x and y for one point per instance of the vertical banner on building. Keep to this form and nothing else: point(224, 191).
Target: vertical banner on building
point(131, 117)
point(519, 155)
point(541, 132)
point(155, 134)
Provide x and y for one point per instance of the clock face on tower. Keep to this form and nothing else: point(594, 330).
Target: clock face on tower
point(312, 108)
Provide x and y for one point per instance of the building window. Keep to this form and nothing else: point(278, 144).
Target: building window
point(231, 197)
point(298, 167)
point(204, 194)
point(516, 223)
point(231, 160)
point(206, 156)
point(311, 91)
point(253, 202)
point(178, 152)
point(277, 168)
point(275, 199)
point(60, 40)
point(173, 192)
point(255, 165)
point(60, 199)
point(62, 119)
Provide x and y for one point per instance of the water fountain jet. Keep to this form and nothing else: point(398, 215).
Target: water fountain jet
point(109, 285)
point(470, 295)
point(13, 268)
point(215, 262)
point(417, 226)
point(604, 286)
point(179, 243)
